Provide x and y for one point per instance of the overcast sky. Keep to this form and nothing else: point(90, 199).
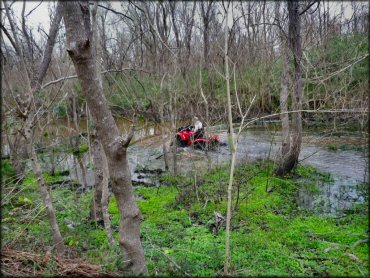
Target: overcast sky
point(40, 16)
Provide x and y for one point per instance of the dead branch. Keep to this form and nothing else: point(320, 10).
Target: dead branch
point(21, 263)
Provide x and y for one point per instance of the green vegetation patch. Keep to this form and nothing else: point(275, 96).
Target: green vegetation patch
point(180, 236)
point(7, 170)
point(270, 236)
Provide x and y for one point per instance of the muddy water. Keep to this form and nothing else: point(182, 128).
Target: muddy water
point(347, 168)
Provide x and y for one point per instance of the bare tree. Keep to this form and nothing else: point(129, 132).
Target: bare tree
point(165, 146)
point(290, 159)
point(27, 103)
point(99, 208)
point(207, 14)
point(80, 47)
point(231, 143)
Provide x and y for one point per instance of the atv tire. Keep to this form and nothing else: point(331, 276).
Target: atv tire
point(180, 142)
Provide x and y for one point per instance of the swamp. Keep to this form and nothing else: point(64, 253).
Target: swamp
point(180, 138)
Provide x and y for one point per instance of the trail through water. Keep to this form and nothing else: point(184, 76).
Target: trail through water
point(347, 168)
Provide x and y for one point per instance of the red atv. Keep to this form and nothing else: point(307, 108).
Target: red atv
point(185, 136)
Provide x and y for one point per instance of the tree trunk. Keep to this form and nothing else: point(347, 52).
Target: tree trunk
point(173, 127)
point(57, 237)
point(163, 128)
point(207, 14)
point(101, 179)
point(284, 94)
point(83, 170)
point(18, 154)
point(99, 209)
point(105, 203)
point(165, 148)
point(232, 149)
point(28, 104)
point(290, 160)
point(96, 212)
point(80, 48)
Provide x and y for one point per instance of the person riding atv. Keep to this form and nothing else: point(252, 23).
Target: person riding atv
point(198, 128)
point(194, 135)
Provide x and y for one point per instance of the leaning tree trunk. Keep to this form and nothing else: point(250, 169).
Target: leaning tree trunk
point(99, 208)
point(290, 160)
point(36, 167)
point(27, 104)
point(80, 48)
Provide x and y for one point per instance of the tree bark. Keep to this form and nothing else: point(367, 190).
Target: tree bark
point(101, 178)
point(101, 193)
point(80, 48)
point(290, 160)
point(99, 208)
point(96, 212)
point(83, 171)
point(284, 93)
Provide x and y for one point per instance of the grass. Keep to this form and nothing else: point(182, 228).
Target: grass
point(270, 235)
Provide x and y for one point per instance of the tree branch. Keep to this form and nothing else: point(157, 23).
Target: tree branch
point(113, 11)
point(9, 38)
point(129, 136)
point(49, 45)
point(34, 9)
point(75, 76)
point(309, 6)
point(25, 33)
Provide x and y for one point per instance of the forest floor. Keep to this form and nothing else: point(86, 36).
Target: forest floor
point(183, 232)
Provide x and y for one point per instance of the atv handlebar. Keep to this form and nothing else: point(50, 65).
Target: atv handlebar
point(188, 128)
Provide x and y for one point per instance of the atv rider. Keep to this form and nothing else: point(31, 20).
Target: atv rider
point(198, 128)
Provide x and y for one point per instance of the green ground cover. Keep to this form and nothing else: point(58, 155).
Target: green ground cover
point(270, 234)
